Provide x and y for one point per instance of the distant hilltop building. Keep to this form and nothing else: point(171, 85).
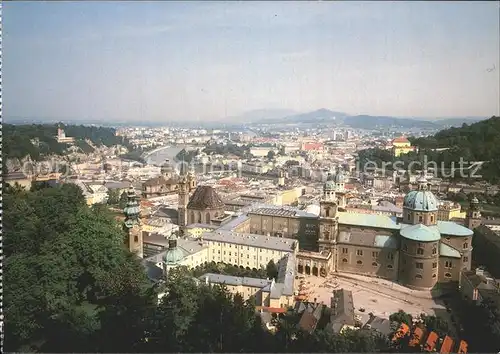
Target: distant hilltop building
point(401, 146)
point(62, 138)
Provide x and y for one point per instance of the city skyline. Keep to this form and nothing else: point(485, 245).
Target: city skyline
point(187, 61)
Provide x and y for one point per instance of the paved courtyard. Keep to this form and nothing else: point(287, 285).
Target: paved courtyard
point(378, 296)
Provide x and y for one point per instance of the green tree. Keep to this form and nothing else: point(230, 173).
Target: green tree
point(401, 317)
point(436, 324)
point(113, 196)
point(122, 203)
point(271, 270)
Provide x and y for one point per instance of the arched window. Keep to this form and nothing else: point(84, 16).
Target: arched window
point(466, 245)
point(434, 250)
point(207, 217)
point(447, 275)
point(359, 262)
point(389, 266)
point(418, 276)
point(375, 264)
point(420, 251)
point(433, 275)
point(432, 218)
point(344, 260)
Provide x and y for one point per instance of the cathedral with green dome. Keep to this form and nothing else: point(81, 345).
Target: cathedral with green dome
point(417, 250)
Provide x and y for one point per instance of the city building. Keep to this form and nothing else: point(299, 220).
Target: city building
point(132, 224)
point(62, 138)
point(401, 146)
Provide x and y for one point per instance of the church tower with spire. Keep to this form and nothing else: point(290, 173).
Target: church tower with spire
point(473, 217)
point(183, 194)
point(132, 224)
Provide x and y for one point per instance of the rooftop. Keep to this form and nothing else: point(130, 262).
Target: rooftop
point(205, 197)
point(448, 251)
point(252, 240)
point(368, 220)
point(421, 233)
point(234, 281)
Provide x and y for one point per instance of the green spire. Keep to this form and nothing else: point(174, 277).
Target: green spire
point(132, 210)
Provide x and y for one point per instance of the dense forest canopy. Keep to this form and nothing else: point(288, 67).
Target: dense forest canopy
point(39, 140)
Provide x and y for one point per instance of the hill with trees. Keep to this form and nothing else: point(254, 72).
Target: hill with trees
point(469, 143)
point(39, 140)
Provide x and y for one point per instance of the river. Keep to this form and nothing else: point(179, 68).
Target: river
point(159, 156)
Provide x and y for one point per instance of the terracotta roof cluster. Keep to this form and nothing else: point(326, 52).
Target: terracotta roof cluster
point(205, 197)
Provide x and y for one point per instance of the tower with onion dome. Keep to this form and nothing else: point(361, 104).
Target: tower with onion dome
point(473, 218)
point(132, 223)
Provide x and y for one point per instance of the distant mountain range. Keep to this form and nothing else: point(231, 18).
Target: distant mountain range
point(323, 115)
point(282, 116)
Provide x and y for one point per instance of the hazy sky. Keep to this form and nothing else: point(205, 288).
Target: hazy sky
point(189, 60)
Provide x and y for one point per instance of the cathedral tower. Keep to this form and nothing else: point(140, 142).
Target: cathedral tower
point(473, 217)
point(327, 239)
point(132, 224)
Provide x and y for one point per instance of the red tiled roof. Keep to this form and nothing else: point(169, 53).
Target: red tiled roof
point(401, 139)
point(271, 309)
point(431, 341)
point(447, 346)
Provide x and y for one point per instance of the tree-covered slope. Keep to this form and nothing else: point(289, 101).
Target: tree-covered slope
point(39, 140)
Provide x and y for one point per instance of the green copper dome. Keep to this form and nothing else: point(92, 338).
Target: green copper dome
point(420, 233)
point(174, 254)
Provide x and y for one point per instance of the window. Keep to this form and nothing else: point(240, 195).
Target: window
point(419, 265)
point(375, 254)
point(448, 264)
point(434, 250)
point(344, 250)
point(420, 218)
point(466, 259)
point(466, 245)
point(420, 251)
point(434, 265)
point(408, 217)
point(327, 212)
point(390, 256)
point(218, 251)
point(447, 275)
point(359, 252)
point(375, 264)
point(389, 266)
point(432, 218)
point(344, 260)
point(136, 239)
point(433, 275)
point(359, 262)
point(229, 254)
point(418, 276)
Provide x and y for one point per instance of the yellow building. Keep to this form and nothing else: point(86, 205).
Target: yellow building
point(241, 250)
point(401, 146)
point(450, 210)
